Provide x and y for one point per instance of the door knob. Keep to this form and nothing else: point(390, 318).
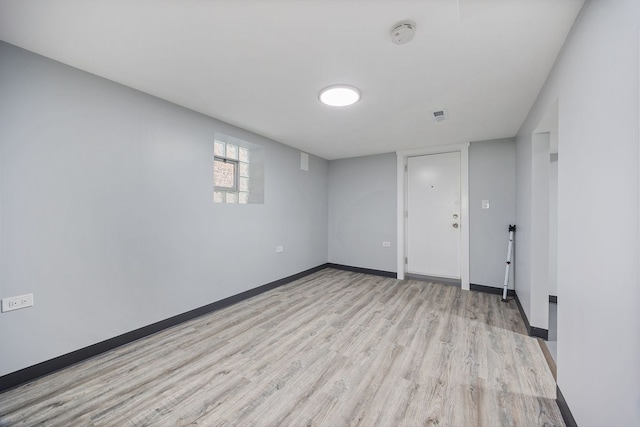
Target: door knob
point(455, 225)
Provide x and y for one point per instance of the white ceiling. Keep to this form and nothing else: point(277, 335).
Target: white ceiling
point(259, 64)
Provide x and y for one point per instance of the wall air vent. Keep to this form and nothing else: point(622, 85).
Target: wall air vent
point(440, 115)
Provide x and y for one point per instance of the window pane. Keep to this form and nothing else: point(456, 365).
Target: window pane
point(218, 148)
point(232, 197)
point(244, 198)
point(244, 155)
point(218, 197)
point(243, 185)
point(232, 151)
point(224, 174)
point(244, 169)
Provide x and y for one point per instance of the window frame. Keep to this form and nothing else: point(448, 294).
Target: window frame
point(236, 173)
point(239, 156)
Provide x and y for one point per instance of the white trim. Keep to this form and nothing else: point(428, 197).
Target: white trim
point(464, 201)
point(401, 182)
point(401, 162)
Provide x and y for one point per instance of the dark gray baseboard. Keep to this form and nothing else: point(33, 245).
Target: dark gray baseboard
point(491, 290)
point(539, 332)
point(532, 330)
point(31, 373)
point(362, 270)
point(567, 416)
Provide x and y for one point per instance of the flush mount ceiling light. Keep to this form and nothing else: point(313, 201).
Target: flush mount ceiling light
point(339, 95)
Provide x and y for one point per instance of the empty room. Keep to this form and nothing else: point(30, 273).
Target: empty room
point(320, 213)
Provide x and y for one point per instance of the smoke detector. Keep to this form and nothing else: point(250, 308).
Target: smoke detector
point(403, 32)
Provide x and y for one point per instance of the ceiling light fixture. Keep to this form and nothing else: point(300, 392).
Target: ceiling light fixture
point(339, 95)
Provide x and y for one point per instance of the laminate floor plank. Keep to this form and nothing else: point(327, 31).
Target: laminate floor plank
point(334, 348)
point(105, 364)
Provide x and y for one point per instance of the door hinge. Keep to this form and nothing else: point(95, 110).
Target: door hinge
point(406, 260)
point(406, 168)
point(406, 214)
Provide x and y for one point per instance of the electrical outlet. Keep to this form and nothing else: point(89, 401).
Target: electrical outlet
point(16, 303)
point(279, 249)
point(386, 244)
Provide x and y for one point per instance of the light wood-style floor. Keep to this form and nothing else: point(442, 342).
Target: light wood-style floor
point(334, 349)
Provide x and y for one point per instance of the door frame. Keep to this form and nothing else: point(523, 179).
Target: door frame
point(402, 185)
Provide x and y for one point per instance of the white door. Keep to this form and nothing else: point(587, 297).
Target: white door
point(433, 215)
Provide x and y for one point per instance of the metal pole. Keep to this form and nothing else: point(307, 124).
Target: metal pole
point(512, 229)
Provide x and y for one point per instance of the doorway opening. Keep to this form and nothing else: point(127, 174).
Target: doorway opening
point(545, 221)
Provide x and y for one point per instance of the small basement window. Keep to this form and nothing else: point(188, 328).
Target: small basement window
point(238, 171)
point(225, 174)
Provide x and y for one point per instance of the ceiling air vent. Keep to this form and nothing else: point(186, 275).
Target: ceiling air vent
point(440, 115)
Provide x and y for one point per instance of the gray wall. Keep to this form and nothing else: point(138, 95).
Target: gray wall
point(598, 189)
point(107, 212)
point(492, 176)
point(362, 211)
